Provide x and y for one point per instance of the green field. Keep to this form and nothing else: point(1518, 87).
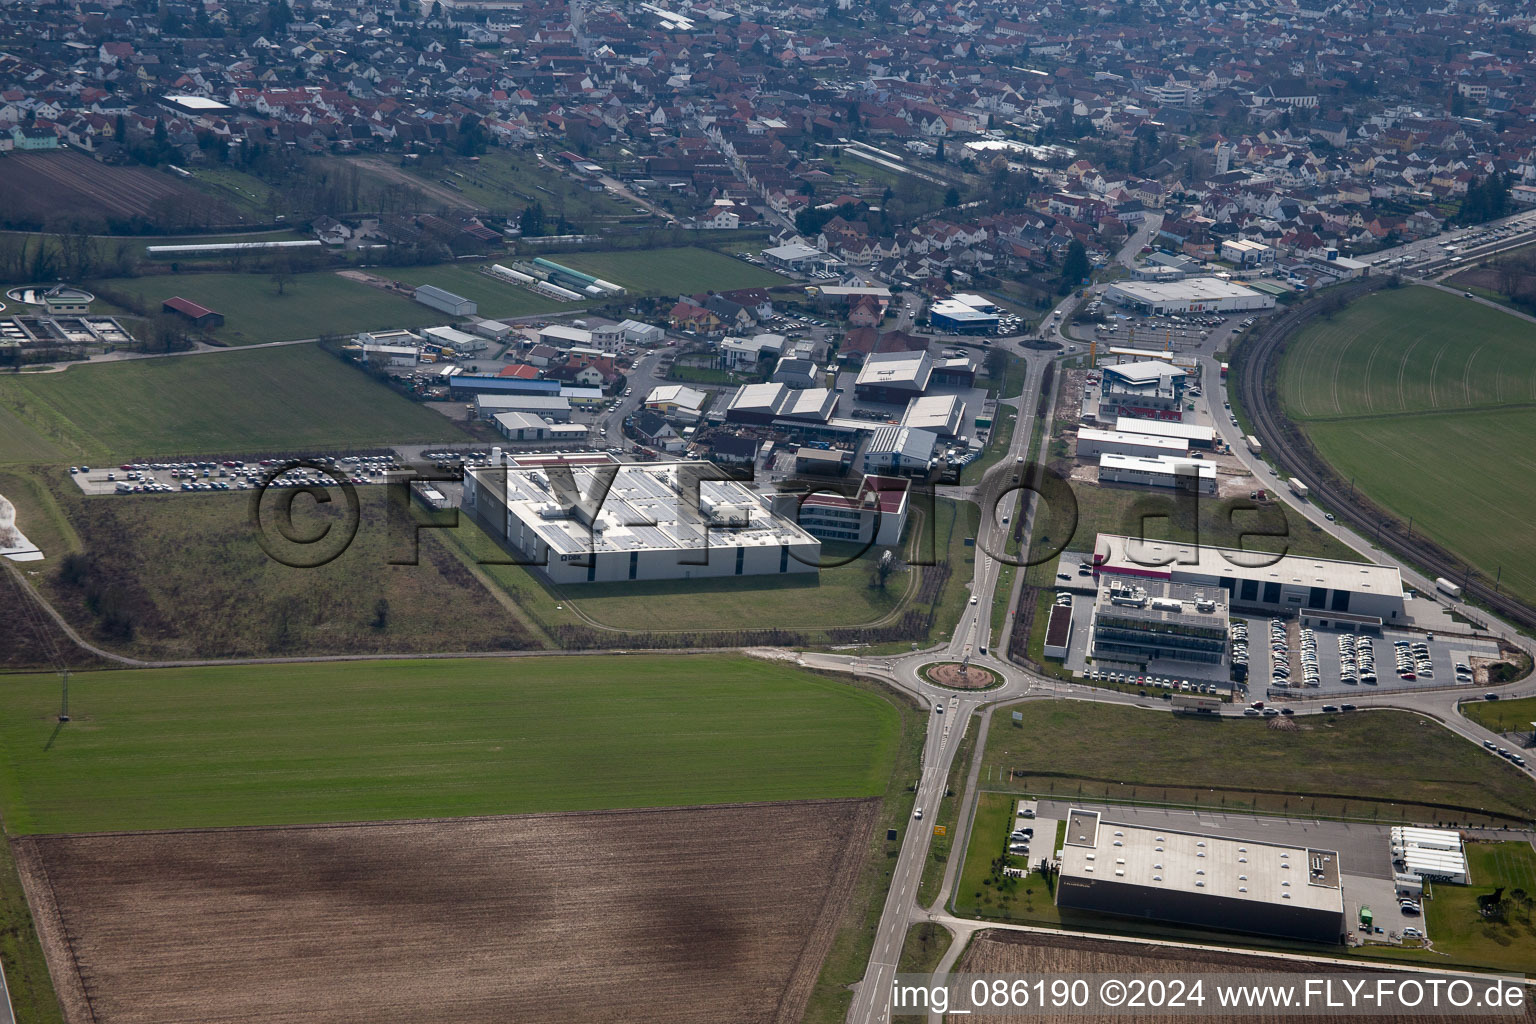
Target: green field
point(1385, 764)
point(296, 397)
point(1502, 715)
point(980, 890)
point(312, 304)
point(1428, 403)
point(1458, 929)
point(368, 741)
point(674, 271)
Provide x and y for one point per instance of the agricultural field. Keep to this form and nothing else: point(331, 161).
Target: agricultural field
point(1426, 401)
point(687, 269)
point(681, 915)
point(1023, 953)
point(280, 399)
point(1377, 764)
point(171, 577)
point(40, 186)
point(390, 740)
point(309, 305)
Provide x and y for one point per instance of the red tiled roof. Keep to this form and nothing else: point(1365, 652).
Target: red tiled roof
point(188, 307)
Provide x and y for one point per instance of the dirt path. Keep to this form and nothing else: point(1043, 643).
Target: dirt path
point(399, 176)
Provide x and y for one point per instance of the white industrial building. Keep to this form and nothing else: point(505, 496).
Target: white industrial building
point(521, 426)
point(677, 402)
point(1196, 435)
point(553, 407)
point(1092, 442)
point(1146, 389)
point(893, 377)
point(764, 403)
point(1325, 591)
point(1433, 853)
point(1244, 253)
point(459, 341)
point(877, 514)
point(900, 450)
point(1160, 471)
point(1209, 881)
point(796, 256)
point(739, 352)
point(586, 521)
point(942, 414)
point(964, 314)
point(637, 333)
point(1191, 295)
point(446, 301)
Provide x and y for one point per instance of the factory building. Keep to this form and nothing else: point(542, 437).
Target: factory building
point(900, 450)
point(1191, 295)
point(1207, 881)
point(677, 402)
point(588, 521)
point(1196, 435)
point(796, 256)
point(445, 301)
point(762, 404)
point(1243, 253)
point(554, 407)
point(1348, 594)
point(1091, 443)
point(1148, 389)
point(1187, 475)
point(944, 415)
point(645, 335)
point(877, 514)
point(1143, 620)
point(958, 316)
point(893, 378)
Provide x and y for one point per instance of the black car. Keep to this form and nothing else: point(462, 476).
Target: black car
point(1346, 707)
point(1330, 707)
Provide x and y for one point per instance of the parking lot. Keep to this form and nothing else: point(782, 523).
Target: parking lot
point(228, 474)
point(1324, 668)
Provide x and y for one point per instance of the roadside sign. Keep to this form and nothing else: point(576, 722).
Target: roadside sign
point(1018, 716)
point(940, 830)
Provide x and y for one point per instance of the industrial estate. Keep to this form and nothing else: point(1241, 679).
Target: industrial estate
point(765, 500)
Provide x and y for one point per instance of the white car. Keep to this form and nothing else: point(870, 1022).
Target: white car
point(918, 814)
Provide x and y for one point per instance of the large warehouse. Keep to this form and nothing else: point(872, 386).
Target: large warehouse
point(764, 403)
point(894, 377)
point(1354, 594)
point(964, 314)
point(1091, 443)
point(609, 522)
point(1160, 471)
point(1192, 295)
point(1238, 885)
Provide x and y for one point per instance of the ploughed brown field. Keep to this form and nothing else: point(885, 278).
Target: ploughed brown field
point(1005, 952)
point(679, 915)
point(36, 186)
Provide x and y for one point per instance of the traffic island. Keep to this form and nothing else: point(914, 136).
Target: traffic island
point(955, 676)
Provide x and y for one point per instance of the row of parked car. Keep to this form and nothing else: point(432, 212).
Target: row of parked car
point(1505, 753)
point(1413, 660)
point(1357, 659)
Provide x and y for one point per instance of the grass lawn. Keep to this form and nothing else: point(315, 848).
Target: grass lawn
point(1502, 715)
point(675, 271)
point(1458, 929)
point(1427, 401)
point(925, 946)
point(317, 742)
point(280, 399)
point(312, 304)
point(23, 441)
point(21, 954)
point(1385, 764)
point(495, 298)
point(1467, 479)
point(980, 891)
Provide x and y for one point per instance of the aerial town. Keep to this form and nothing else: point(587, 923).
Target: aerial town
point(720, 512)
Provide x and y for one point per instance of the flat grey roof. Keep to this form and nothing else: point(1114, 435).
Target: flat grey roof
point(1112, 550)
point(1105, 850)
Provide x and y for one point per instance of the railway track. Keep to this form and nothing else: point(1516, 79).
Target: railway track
point(1256, 363)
